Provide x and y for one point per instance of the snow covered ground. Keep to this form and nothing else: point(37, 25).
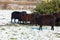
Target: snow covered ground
point(10, 31)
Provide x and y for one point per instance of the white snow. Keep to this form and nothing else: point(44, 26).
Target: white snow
point(24, 32)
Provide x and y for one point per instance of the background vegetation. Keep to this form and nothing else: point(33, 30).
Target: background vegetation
point(49, 7)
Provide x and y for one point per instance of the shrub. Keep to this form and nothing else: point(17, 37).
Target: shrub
point(48, 8)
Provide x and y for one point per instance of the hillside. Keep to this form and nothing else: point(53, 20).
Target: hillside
point(18, 4)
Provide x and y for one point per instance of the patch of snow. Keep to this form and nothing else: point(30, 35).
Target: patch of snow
point(23, 33)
